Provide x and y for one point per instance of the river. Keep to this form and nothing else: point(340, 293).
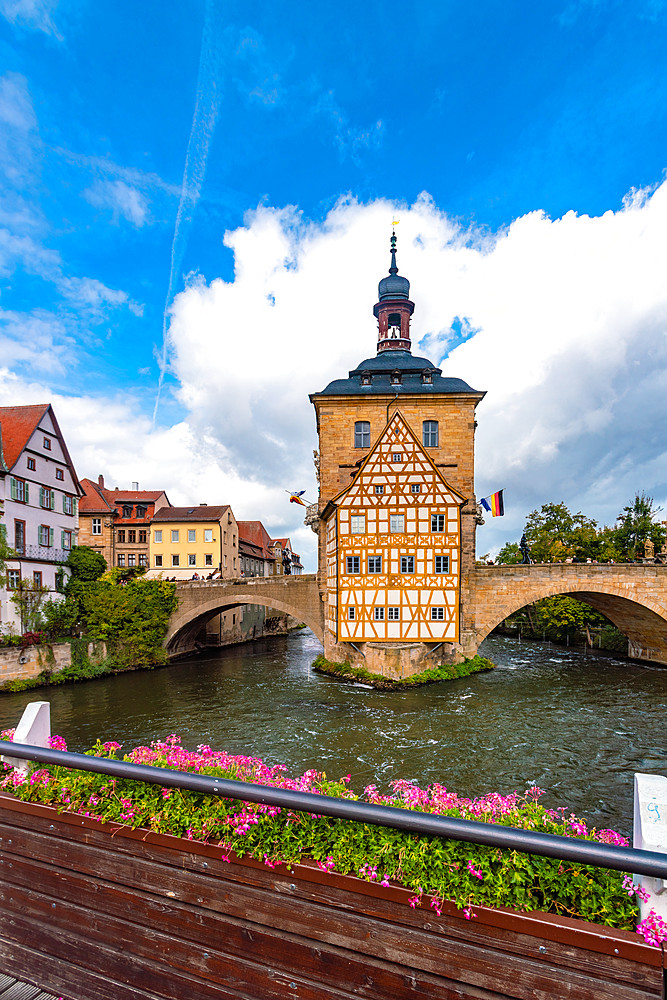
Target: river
point(578, 727)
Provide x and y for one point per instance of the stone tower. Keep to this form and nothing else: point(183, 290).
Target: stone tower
point(397, 511)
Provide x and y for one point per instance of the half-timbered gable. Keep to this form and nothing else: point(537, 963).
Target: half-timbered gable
point(393, 547)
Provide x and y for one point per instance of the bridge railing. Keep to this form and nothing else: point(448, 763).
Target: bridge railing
point(625, 859)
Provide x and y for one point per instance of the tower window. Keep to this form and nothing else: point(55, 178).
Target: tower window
point(362, 434)
point(430, 433)
point(394, 326)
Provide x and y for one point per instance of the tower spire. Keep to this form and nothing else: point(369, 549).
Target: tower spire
point(394, 308)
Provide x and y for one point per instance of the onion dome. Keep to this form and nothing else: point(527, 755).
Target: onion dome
point(395, 286)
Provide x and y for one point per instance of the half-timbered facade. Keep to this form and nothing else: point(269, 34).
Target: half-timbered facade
point(397, 510)
point(393, 547)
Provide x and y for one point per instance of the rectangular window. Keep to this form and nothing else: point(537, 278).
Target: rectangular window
point(120, 536)
point(352, 564)
point(379, 490)
point(19, 490)
point(19, 537)
point(37, 577)
point(351, 614)
point(358, 524)
point(375, 564)
point(430, 433)
point(192, 559)
point(32, 464)
point(397, 456)
point(45, 535)
point(192, 534)
point(174, 535)
point(362, 434)
point(415, 488)
point(131, 559)
point(438, 522)
point(378, 614)
point(143, 559)
point(60, 474)
point(208, 560)
point(46, 498)
point(47, 444)
point(132, 536)
point(224, 538)
point(142, 537)
point(437, 614)
point(121, 559)
point(158, 560)
point(175, 560)
point(407, 564)
point(397, 522)
point(97, 525)
point(68, 505)
point(66, 540)
point(442, 564)
point(208, 534)
point(157, 536)
point(13, 579)
point(393, 614)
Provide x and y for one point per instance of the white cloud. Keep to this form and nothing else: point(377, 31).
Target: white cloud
point(34, 14)
point(123, 200)
point(563, 322)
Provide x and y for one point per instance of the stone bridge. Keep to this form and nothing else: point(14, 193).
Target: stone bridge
point(201, 600)
point(632, 596)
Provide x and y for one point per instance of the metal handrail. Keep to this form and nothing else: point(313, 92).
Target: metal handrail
point(548, 845)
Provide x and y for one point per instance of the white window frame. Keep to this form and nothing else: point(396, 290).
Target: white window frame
point(192, 559)
point(157, 537)
point(96, 526)
point(437, 614)
point(358, 524)
point(378, 614)
point(397, 524)
point(174, 534)
point(192, 534)
point(208, 534)
point(393, 614)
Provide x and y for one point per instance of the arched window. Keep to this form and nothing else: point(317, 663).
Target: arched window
point(430, 433)
point(362, 434)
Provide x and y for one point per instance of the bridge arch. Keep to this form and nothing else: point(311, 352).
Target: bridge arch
point(198, 603)
point(633, 599)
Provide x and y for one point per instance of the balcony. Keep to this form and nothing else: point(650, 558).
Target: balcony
point(42, 553)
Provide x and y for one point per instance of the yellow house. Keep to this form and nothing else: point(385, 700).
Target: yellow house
point(187, 542)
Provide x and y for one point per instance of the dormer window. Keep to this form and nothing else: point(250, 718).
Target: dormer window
point(127, 510)
point(141, 512)
point(366, 379)
point(396, 378)
point(427, 377)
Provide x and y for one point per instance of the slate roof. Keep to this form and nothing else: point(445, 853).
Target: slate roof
point(190, 513)
point(380, 369)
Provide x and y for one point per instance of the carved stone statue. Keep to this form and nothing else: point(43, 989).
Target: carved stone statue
point(525, 549)
point(649, 549)
point(316, 463)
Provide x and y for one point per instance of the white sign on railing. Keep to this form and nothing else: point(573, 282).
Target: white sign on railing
point(650, 834)
point(33, 729)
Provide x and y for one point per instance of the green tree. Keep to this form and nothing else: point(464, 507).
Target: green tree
point(85, 563)
point(509, 555)
point(5, 551)
point(27, 599)
point(635, 524)
point(555, 534)
point(562, 615)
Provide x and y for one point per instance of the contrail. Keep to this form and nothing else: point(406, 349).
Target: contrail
point(207, 105)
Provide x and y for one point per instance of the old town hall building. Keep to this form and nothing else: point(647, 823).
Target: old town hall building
point(397, 513)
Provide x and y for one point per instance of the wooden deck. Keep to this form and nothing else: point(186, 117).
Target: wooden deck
point(105, 913)
point(12, 989)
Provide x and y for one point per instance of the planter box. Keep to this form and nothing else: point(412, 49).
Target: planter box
point(102, 912)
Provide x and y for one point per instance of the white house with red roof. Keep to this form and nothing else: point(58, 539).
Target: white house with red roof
point(39, 502)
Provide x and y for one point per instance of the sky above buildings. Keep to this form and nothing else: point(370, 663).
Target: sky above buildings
point(195, 206)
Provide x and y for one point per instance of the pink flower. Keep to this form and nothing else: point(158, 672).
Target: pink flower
point(57, 743)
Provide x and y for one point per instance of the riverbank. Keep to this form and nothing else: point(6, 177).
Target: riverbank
point(446, 672)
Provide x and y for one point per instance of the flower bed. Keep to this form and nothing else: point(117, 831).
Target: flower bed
point(435, 870)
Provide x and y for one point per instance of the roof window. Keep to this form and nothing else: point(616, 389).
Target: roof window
point(427, 377)
point(366, 378)
point(396, 377)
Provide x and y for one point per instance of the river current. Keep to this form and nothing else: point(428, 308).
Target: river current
point(578, 727)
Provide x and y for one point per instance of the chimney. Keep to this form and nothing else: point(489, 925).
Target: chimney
point(100, 482)
point(135, 487)
point(203, 505)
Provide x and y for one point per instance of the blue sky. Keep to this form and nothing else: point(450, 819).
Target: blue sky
point(208, 151)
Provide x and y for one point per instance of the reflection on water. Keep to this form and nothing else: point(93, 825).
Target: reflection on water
point(578, 727)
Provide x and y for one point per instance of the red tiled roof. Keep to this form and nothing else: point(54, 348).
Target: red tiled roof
point(100, 499)
point(190, 513)
point(255, 533)
point(92, 501)
point(18, 423)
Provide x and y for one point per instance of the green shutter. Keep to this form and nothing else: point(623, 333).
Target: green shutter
point(41, 496)
point(51, 537)
point(13, 488)
point(62, 539)
point(64, 504)
point(52, 494)
point(74, 505)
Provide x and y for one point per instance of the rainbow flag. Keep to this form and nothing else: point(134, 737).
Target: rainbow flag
point(494, 504)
